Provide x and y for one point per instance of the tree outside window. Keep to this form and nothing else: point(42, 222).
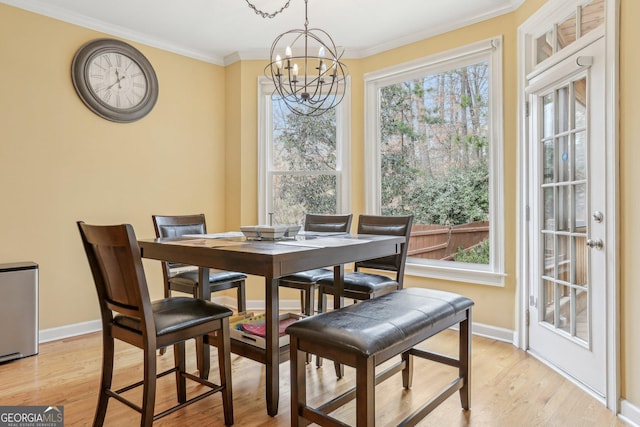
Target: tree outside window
point(434, 161)
point(433, 144)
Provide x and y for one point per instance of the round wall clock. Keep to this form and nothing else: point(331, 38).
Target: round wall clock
point(115, 80)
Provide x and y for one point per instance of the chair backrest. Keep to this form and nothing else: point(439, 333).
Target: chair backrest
point(392, 226)
point(328, 223)
point(176, 226)
point(118, 274)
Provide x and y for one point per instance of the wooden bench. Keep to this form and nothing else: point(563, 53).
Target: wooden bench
point(371, 332)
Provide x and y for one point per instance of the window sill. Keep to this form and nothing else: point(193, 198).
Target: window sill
point(476, 276)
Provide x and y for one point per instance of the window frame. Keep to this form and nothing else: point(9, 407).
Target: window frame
point(265, 150)
point(489, 50)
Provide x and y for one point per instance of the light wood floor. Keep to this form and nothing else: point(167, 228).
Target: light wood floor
point(509, 388)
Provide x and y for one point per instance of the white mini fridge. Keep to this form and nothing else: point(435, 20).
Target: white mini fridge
point(18, 310)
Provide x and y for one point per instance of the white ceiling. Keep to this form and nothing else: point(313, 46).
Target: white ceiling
point(223, 31)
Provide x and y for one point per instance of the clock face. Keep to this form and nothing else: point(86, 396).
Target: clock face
point(115, 80)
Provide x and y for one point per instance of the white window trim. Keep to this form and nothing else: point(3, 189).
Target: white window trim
point(491, 50)
point(265, 141)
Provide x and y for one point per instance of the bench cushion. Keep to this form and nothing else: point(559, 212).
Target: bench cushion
point(374, 325)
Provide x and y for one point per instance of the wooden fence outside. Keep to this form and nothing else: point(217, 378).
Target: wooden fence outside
point(443, 241)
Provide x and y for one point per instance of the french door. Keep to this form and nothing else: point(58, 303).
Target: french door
point(567, 201)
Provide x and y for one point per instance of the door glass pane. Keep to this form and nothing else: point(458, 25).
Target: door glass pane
point(582, 314)
point(580, 153)
point(548, 252)
point(581, 261)
point(548, 301)
point(592, 16)
point(563, 260)
point(549, 220)
point(544, 47)
point(564, 208)
point(564, 160)
point(548, 159)
point(580, 207)
point(547, 116)
point(563, 109)
point(580, 103)
point(567, 31)
point(564, 308)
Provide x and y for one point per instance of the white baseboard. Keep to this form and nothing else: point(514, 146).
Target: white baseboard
point(76, 329)
point(629, 413)
point(53, 334)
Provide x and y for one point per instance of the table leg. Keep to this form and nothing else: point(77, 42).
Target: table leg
point(202, 350)
point(272, 386)
point(338, 291)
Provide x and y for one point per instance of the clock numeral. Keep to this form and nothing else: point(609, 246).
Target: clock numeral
point(107, 60)
point(106, 96)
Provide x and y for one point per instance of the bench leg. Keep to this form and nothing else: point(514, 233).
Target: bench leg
point(365, 392)
point(298, 382)
point(465, 361)
point(407, 371)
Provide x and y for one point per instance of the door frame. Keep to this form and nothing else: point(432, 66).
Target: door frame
point(542, 17)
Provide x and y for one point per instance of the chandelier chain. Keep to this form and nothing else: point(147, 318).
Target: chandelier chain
point(267, 14)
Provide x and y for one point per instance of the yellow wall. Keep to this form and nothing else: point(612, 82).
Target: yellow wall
point(629, 199)
point(60, 163)
point(197, 152)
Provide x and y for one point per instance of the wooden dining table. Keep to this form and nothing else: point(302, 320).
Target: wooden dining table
point(271, 260)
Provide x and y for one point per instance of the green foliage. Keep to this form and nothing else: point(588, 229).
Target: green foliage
point(476, 255)
point(434, 147)
point(460, 196)
point(304, 155)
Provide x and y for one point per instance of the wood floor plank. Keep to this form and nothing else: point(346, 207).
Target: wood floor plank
point(509, 388)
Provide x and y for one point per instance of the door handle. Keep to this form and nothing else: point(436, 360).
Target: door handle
point(595, 243)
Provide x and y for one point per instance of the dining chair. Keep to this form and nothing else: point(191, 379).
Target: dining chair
point(182, 278)
point(307, 281)
point(360, 285)
point(128, 315)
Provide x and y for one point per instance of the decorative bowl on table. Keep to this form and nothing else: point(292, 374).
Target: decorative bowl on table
point(292, 230)
point(250, 231)
point(271, 232)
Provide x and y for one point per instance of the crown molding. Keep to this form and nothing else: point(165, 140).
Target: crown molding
point(42, 8)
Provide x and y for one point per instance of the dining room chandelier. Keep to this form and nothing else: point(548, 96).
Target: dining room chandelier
point(306, 69)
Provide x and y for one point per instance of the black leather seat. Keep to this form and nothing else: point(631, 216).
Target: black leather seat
point(360, 285)
point(307, 281)
point(129, 315)
point(367, 334)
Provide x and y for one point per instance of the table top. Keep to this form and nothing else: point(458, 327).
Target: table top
point(270, 258)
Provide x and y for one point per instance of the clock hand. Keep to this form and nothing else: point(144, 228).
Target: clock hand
point(117, 82)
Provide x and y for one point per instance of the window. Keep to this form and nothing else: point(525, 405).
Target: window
point(433, 138)
point(302, 160)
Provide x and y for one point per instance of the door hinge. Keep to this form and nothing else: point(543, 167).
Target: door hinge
point(526, 213)
point(526, 109)
point(527, 317)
